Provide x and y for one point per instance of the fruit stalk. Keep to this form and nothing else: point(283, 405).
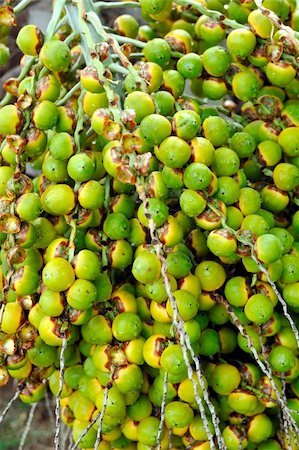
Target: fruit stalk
point(162, 411)
point(58, 396)
point(280, 399)
point(27, 426)
point(179, 326)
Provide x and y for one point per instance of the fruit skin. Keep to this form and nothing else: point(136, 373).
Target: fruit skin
point(4, 54)
point(29, 40)
point(146, 268)
point(281, 358)
point(241, 42)
point(58, 199)
point(225, 379)
point(45, 115)
point(11, 120)
point(12, 318)
point(55, 55)
point(58, 274)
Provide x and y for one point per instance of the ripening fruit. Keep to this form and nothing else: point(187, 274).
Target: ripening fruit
point(29, 40)
point(12, 318)
point(154, 128)
point(11, 120)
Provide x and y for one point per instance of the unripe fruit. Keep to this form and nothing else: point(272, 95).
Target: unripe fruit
point(241, 42)
point(225, 379)
point(58, 275)
point(58, 199)
point(55, 55)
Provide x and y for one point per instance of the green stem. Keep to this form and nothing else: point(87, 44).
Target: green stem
point(68, 95)
point(61, 22)
point(57, 11)
point(91, 46)
point(71, 37)
point(126, 40)
point(97, 24)
point(132, 55)
point(80, 122)
point(114, 67)
point(107, 193)
point(72, 237)
point(22, 5)
point(210, 13)
point(109, 5)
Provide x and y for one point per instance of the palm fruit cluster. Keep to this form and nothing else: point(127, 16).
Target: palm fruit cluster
point(149, 225)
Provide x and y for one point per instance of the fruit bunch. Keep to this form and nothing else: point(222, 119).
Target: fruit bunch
point(149, 226)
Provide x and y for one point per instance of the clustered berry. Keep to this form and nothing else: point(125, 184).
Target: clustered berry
point(149, 223)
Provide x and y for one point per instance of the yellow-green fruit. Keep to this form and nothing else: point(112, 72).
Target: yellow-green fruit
point(12, 318)
point(29, 40)
point(11, 120)
point(55, 55)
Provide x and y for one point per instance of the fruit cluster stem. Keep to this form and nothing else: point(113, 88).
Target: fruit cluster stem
point(261, 268)
point(279, 296)
point(10, 404)
point(262, 366)
point(101, 418)
point(27, 426)
point(282, 417)
point(292, 35)
point(58, 396)
point(95, 419)
point(183, 338)
point(162, 411)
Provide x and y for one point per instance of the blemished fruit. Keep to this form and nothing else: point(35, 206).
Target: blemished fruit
point(149, 227)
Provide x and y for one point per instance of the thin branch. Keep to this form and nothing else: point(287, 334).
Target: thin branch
point(279, 296)
point(170, 439)
point(85, 431)
point(283, 418)
point(56, 15)
point(65, 437)
point(162, 412)
point(21, 6)
point(100, 6)
point(9, 404)
point(58, 396)
point(292, 35)
point(99, 430)
point(262, 366)
point(179, 324)
point(49, 408)
point(27, 426)
point(69, 94)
